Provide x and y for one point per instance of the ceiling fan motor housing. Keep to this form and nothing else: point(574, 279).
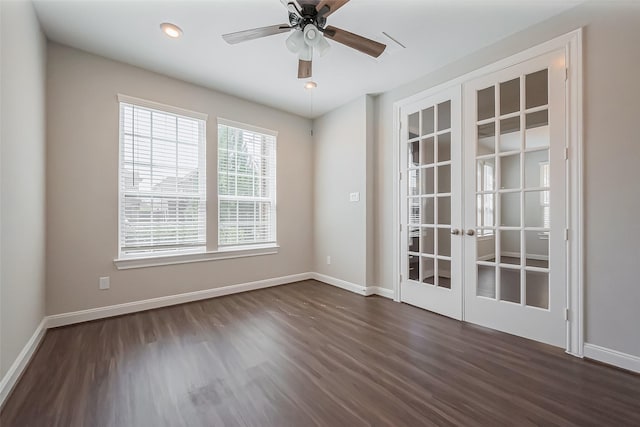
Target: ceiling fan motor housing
point(308, 15)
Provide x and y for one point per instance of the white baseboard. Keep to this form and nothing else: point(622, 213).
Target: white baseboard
point(383, 292)
point(352, 287)
point(343, 284)
point(63, 319)
point(19, 365)
point(612, 357)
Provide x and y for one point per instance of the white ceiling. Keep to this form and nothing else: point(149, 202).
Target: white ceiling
point(434, 32)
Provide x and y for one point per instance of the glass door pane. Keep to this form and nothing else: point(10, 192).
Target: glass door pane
point(431, 203)
point(429, 169)
point(513, 191)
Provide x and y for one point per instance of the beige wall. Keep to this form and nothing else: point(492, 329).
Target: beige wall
point(82, 184)
point(342, 148)
point(22, 178)
point(612, 155)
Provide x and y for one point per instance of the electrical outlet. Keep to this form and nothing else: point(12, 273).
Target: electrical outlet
point(104, 283)
point(328, 259)
point(354, 197)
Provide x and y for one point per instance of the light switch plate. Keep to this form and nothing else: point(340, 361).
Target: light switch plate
point(354, 197)
point(104, 283)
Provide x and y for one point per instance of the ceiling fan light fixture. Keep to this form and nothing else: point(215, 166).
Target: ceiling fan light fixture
point(171, 30)
point(295, 42)
point(310, 85)
point(323, 46)
point(306, 53)
point(311, 35)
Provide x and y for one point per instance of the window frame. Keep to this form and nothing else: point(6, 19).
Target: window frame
point(273, 193)
point(167, 109)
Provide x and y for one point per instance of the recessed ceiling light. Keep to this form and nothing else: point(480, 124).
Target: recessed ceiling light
point(171, 30)
point(310, 85)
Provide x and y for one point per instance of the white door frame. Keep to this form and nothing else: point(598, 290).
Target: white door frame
point(572, 44)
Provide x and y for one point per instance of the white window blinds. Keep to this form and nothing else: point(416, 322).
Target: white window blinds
point(162, 180)
point(246, 185)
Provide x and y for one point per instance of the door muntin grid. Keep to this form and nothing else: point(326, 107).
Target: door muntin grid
point(429, 195)
point(512, 191)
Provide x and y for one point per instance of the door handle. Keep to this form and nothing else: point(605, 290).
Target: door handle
point(455, 231)
point(470, 232)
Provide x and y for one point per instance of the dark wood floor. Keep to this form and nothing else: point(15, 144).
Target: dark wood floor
point(309, 354)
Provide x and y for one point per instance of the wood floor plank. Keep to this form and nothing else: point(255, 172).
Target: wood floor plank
point(308, 354)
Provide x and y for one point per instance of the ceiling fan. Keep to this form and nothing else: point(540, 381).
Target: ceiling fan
point(308, 20)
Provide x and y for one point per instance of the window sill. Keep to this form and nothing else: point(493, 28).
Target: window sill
point(127, 263)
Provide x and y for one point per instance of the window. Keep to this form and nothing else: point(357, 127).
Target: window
point(246, 185)
point(545, 198)
point(485, 203)
point(162, 179)
point(414, 202)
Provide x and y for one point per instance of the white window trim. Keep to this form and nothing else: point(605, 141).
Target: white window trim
point(250, 128)
point(162, 107)
point(195, 256)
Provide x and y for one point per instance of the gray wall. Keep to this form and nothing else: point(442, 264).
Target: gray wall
point(342, 165)
point(82, 184)
point(22, 178)
point(612, 155)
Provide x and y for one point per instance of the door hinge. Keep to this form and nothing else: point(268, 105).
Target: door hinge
point(566, 234)
point(566, 153)
point(566, 74)
point(400, 176)
point(400, 227)
point(401, 278)
point(566, 314)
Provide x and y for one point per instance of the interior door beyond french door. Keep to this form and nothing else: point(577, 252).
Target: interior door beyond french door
point(515, 200)
point(431, 214)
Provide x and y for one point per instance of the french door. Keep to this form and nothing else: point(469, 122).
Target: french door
point(504, 178)
point(515, 200)
point(431, 181)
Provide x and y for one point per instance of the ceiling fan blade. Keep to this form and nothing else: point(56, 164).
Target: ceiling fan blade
point(255, 33)
point(332, 6)
point(304, 69)
point(363, 44)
